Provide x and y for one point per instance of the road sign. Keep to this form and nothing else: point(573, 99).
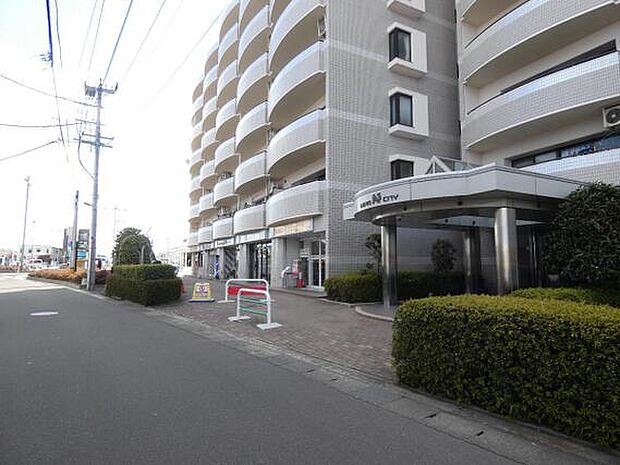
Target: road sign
point(202, 293)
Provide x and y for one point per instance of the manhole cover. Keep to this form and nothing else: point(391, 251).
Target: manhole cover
point(44, 314)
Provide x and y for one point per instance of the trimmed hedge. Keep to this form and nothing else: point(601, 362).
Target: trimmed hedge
point(368, 287)
point(149, 292)
point(572, 294)
point(69, 275)
point(144, 272)
point(550, 362)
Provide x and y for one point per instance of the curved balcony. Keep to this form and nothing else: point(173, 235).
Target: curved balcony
point(226, 121)
point(226, 159)
point(206, 203)
point(254, 40)
point(222, 228)
point(192, 239)
point(205, 234)
point(300, 85)
point(207, 175)
point(248, 9)
point(249, 219)
point(530, 31)
point(228, 47)
point(211, 57)
point(195, 162)
point(253, 86)
point(276, 8)
point(196, 135)
point(208, 114)
point(224, 193)
point(294, 31)
point(197, 91)
point(194, 186)
point(580, 91)
point(250, 176)
point(210, 82)
point(227, 83)
point(300, 143)
point(296, 203)
point(478, 12)
point(208, 144)
point(198, 103)
point(252, 131)
point(229, 17)
point(194, 212)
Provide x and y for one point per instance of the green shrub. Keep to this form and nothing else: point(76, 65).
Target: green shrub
point(415, 284)
point(354, 287)
point(368, 287)
point(149, 292)
point(583, 244)
point(144, 272)
point(550, 362)
point(572, 294)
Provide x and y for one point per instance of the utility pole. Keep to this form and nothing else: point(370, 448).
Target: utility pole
point(21, 261)
point(74, 247)
point(96, 92)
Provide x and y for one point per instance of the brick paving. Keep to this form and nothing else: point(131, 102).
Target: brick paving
point(311, 326)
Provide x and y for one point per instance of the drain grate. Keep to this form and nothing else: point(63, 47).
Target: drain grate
point(44, 313)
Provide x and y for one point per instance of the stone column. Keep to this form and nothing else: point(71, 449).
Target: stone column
point(506, 253)
point(278, 260)
point(244, 262)
point(390, 265)
point(471, 260)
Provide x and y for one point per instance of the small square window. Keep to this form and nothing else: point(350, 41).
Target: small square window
point(401, 169)
point(401, 109)
point(400, 45)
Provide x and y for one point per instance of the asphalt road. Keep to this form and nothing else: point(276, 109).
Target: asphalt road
point(102, 383)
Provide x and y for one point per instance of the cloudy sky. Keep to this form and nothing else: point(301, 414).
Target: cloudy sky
point(144, 175)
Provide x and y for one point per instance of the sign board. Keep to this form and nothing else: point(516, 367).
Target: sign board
point(202, 293)
point(292, 228)
point(387, 196)
point(225, 242)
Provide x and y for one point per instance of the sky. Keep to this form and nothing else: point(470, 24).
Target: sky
point(144, 178)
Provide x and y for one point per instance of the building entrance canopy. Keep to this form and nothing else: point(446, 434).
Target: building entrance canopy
point(489, 196)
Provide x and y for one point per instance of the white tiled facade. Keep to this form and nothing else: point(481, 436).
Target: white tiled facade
point(292, 117)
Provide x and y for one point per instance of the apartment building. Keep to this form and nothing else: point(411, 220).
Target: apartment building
point(539, 87)
point(301, 104)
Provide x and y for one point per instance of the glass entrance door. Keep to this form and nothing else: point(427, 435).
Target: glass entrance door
point(317, 264)
point(260, 261)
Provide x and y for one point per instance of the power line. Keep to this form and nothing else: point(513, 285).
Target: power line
point(118, 39)
point(49, 31)
point(90, 22)
point(36, 126)
point(178, 68)
point(15, 155)
point(92, 52)
point(163, 34)
point(148, 33)
point(39, 91)
point(58, 32)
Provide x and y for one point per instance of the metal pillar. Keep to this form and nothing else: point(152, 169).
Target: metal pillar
point(471, 260)
point(390, 265)
point(506, 253)
point(22, 261)
point(74, 235)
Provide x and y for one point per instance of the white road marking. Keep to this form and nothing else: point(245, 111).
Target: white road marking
point(44, 314)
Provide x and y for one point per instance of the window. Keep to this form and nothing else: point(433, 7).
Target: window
point(400, 45)
point(401, 109)
point(401, 169)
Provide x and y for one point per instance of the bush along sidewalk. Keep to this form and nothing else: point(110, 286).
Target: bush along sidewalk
point(70, 276)
point(144, 284)
point(368, 287)
point(550, 362)
point(582, 295)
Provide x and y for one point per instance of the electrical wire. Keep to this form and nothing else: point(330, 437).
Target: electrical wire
point(92, 52)
point(163, 34)
point(118, 39)
point(39, 91)
point(15, 155)
point(178, 68)
point(90, 23)
point(58, 33)
point(148, 33)
point(36, 126)
point(79, 157)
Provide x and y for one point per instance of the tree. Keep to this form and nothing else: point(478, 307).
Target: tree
point(583, 245)
point(373, 244)
point(443, 256)
point(132, 248)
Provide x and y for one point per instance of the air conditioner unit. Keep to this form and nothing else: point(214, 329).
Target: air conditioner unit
point(611, 116)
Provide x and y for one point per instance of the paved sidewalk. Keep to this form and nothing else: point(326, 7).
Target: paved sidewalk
point(311, 326)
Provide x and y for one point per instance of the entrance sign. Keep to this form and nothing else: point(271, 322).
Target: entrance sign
point(202, 293)
point(292, 228)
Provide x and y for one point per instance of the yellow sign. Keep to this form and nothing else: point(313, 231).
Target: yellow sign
point(202, 293)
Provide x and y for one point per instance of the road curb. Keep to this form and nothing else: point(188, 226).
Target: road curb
point(372, 316)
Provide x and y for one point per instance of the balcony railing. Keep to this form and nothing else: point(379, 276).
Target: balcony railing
point(226, 158)
point(251, 173)
point(224, 192)
point(252, 129)
point(222, 228)
point(296, 203)
point(206, 203)
point(254, 40)
point(249, 219)
point(253, 85)
point(205, 234)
